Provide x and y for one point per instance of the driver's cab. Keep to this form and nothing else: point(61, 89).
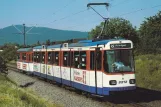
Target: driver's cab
point(119, 61)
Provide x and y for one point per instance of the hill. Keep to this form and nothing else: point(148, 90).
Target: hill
point(7, 34)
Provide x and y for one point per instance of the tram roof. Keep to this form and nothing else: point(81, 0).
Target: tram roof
point(86, 43)
point(55, 46)
point(24, 49)
point(37, 47)
point(82, 43)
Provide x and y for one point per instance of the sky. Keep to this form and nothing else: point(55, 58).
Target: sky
point(73, 14)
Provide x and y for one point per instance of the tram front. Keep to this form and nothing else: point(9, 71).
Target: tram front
point(118, 65)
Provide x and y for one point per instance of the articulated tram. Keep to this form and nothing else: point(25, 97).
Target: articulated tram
point(96, 67)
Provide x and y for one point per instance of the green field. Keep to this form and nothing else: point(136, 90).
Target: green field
point(13, 96)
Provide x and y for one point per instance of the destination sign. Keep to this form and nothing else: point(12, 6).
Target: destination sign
point(120, 45)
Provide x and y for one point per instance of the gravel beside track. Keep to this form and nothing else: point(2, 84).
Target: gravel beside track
point(54, 93)
point(70, 98)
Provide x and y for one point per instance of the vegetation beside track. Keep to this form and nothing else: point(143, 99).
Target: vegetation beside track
point(13, 96)
point(148, 71)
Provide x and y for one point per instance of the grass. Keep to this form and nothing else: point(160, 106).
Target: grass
point(12, 62)
point(148, 71)
point(13, 96)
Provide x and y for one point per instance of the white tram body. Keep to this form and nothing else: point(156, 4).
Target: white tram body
point(97, 67)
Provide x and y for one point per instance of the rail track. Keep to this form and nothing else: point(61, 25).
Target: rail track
point(12, 67)
point(115, 102)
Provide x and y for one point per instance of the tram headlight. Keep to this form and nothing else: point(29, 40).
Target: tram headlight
point(132, 81)
point(112, 82)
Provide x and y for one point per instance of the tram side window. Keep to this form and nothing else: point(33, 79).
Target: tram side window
point(99, 60)
point(43, 57)
point(49, 58)
point(39, 57)
point(29, 57)
point(32, 56)
point(53, 57)
point(76, 60)
point(92, 62)
point(24, 56)
point(83, 60)
point(56, 58)
point(65, 58)
point(35, 57)
point(18, 56)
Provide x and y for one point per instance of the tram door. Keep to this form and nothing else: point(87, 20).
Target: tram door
point(98, 71)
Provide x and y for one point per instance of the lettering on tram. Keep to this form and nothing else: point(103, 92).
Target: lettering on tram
point(121, 45)
point(24, 66)
point(78, 76)
point(18, 65)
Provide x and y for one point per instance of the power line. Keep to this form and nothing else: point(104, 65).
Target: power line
point(68, 15)
point(140, 10)
point(73, 14)
point(82, 24)
point(135, 11)
point(77, 13)
point(58, 10)
point(65, 17)
point(97, 20)
point(81, 11)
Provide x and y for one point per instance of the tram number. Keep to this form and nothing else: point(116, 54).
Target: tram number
point(122, 82)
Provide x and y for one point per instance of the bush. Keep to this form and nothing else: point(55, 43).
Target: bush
point(148, 71)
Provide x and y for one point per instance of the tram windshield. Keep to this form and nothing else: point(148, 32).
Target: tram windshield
point(119, 61)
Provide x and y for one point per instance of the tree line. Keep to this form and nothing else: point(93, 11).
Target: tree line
point(146, 39)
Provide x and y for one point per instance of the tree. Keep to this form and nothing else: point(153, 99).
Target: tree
point(38, 43)
point(48, 42)
point(9, 52)
point(150, 34)
point(116, 27)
